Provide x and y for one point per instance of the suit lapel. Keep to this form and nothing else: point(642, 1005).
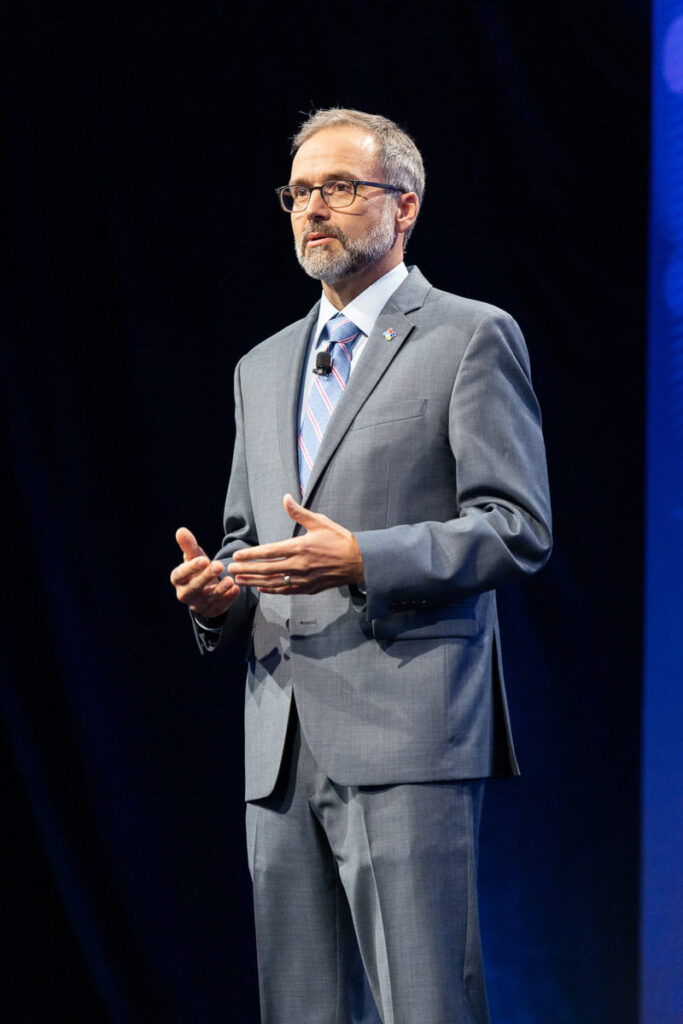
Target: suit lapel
point(389, 334)
point(288, 368)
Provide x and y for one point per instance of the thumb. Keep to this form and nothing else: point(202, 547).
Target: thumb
point(188, 544)
point(301, 515)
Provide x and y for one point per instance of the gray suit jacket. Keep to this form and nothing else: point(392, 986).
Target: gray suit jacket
point(434, 459)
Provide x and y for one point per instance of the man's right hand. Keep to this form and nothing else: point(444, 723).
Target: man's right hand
point(196, 580)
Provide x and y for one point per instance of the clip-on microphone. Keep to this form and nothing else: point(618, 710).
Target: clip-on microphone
point(323, 364)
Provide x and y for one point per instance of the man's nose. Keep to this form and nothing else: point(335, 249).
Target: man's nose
point(317, 207)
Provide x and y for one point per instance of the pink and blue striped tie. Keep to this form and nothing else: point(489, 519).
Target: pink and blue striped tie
point(341, 335)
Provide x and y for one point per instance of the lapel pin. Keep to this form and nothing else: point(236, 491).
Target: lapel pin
point(389, 334)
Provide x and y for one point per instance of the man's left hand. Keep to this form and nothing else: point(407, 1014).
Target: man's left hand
point(326, 556)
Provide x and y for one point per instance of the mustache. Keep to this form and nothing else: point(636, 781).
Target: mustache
point(316, 229)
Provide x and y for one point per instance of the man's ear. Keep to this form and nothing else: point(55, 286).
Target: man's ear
point(408, 207)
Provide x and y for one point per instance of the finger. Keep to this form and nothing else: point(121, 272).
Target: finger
point(269, 566)
point(184, 572)
point(196, 574)
point(302, 515)
point(224, 586)
point(277, 587)
point(295, 587)
point(261, 583)
point(199, 597)
point(296, 582)
point(188, 543)
point(279, 549)
point(217, 605)
point(259, 580)
point(217, 591)
point(274, 568)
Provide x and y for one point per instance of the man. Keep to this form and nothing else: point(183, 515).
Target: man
point(375, 704)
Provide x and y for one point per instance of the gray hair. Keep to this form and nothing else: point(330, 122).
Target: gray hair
point(398, 156)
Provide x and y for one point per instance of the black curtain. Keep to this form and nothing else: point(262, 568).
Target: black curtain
point(144, 253)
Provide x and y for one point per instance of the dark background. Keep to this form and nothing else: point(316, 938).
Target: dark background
point(144, 254)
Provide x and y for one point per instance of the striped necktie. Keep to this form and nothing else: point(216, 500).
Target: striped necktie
point(340, 335)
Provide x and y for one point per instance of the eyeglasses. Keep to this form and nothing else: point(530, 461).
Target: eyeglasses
point(337, 194)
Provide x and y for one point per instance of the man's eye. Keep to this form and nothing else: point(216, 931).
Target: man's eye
point(340, 187)
point(299, 191)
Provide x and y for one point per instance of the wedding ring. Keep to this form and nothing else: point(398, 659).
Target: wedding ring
point(287, 579)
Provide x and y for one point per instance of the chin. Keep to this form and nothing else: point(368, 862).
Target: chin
point(324, 269)
point(333, 267)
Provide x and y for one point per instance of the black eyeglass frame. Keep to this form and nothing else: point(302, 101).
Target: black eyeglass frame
point(350, 181)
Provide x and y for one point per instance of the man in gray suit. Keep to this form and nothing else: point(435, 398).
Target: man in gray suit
point(404, 419)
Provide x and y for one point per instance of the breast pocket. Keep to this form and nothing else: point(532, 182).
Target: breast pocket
point(390, 412)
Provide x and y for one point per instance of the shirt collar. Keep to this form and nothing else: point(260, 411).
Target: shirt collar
point(366, 307)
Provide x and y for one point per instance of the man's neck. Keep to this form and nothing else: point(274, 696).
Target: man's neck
point(342, 292)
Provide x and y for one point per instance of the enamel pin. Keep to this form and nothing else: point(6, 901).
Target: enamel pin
point(389, 334)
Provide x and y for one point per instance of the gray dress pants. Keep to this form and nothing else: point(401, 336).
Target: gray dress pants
point(365, 899)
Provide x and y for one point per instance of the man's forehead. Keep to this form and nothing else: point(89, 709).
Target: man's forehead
point(341, 146)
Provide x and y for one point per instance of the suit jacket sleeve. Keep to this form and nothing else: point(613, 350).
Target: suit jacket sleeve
point(240, 532)
point(501, 526)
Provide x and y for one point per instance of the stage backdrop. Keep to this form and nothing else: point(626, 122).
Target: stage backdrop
point(144, 253)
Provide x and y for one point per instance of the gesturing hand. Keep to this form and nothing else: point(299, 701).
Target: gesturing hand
point(196, 579)
point(324, 557)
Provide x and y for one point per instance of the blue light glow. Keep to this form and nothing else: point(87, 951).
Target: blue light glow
point(672, 55)
point(662, 879)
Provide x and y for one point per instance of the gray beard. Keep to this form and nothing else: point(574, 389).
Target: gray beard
point(356, 255)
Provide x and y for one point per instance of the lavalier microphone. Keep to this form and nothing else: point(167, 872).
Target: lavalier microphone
point(323, 364)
